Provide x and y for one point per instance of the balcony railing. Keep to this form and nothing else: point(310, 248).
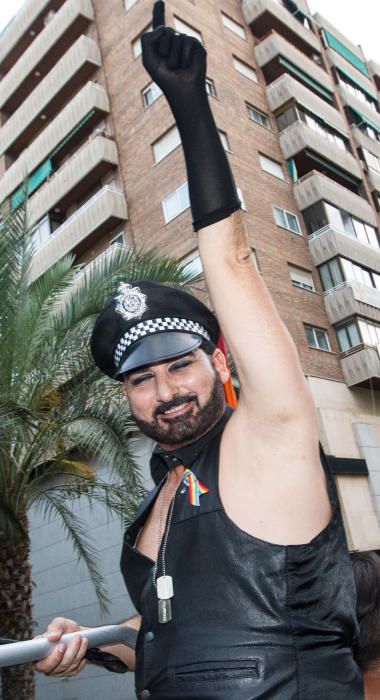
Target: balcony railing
point(99, 215)
point(81, 210)
point(351, 298)
point(362, 292)
point(329, 227)
point(315, 186)
point(91, 97)
point(337, 288)
point(48, 47)
point(264, 15)
point(361, 365)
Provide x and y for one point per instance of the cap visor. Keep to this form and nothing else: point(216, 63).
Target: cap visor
point(158, 348)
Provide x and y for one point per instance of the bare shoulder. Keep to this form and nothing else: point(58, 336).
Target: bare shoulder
point(271, 480)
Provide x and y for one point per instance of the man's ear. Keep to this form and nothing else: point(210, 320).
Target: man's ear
point(220, 364)
point(124, 389)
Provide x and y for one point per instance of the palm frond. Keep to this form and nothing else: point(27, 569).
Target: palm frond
point(53, 502)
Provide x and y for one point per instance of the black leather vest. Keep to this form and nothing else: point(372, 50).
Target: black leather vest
point(251, 619)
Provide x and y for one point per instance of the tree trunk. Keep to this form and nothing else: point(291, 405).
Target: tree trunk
point(17, 682)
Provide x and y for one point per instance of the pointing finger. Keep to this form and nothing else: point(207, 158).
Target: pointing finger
point(158, 14)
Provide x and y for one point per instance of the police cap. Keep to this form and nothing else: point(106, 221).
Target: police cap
point(147, 322)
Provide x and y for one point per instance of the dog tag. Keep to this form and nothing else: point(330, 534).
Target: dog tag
point(164, 611)
point(164, 593)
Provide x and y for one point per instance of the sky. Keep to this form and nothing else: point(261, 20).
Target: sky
point(360, 21)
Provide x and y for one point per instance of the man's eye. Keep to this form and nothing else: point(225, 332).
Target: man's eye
point(141, 379)
point(181, 365)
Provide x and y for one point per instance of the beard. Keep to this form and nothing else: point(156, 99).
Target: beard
point(186, 428)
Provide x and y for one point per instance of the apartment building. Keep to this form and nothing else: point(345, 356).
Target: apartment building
point(297, 106)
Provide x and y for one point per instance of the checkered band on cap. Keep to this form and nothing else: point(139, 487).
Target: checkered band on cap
point(156, 325)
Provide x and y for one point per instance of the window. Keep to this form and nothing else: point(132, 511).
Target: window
point(118, 239)
point(317, 338)
point(331, 275)
point(210, 87)
point(192, 264)
point(150, 94)
point(256, 116)
point(323, 129)
point(244, 69)
point(371, 160)
point(41, 233)
point(241, 197)
point(357, 91)
point(356, 332)
point(287, 220)
point(176, 202)
point(184, 28)
point(348, 336)
point(255, 260)
point(370, 332)
point(136, 43)
point(322, 215)
point(301, 278)
point(233, 26)
point(271, 166)
point(166, 144)
point(224, 140)
point(287, 117)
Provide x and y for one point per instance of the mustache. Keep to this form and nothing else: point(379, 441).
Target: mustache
point(178, 401)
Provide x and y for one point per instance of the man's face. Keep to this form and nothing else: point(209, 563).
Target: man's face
point(177, 401)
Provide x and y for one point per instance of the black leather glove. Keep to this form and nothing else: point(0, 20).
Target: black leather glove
point(177, 63)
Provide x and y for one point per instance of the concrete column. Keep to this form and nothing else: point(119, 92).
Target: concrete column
point(370, 451)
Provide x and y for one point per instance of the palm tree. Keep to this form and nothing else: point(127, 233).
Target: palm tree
point(59, 417)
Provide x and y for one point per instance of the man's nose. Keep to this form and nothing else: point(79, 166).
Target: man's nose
point(165, 387)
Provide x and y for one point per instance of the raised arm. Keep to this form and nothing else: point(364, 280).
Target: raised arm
point(265, 356)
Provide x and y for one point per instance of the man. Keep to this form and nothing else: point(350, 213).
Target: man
point(366, 568)
point(237, 561)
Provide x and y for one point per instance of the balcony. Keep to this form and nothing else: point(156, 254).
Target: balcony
point(50, 96)
point(360, 106)
point(81, 172)
point(100, 214)
point(329, 242)
point(361, 366)
point(270, 54)
point(340, 42)
point(361, 80)
point(21, 30)
point(91, 100)
point(375, 71)
point(299, 137)
point(286, 89)
point(315, 187)
point(363, 141)
point(352, 299)
point(373, 179)
point(266, 15)
point(45, 51)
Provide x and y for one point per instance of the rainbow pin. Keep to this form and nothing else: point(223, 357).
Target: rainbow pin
point(195, 487)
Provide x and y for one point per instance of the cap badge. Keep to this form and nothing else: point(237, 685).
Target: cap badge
point(131, 301)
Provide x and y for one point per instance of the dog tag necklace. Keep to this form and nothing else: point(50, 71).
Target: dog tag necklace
point(164, 584)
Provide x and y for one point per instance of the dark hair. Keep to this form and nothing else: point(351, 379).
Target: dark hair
point(366, 568)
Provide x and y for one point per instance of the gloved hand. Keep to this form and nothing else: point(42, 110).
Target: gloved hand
point(177, 63)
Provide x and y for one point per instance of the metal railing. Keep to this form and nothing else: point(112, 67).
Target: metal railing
point(79, 212)
point(359, 348)
point(329, 227)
